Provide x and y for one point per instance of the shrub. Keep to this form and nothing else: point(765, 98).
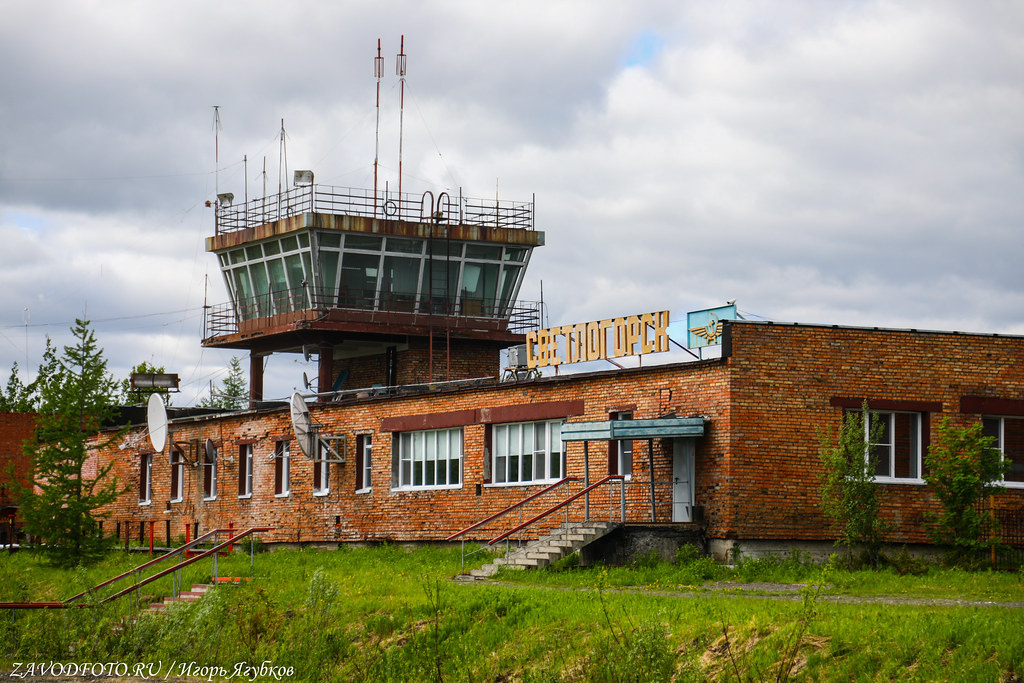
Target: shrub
point(850, 498)
point(962, 469)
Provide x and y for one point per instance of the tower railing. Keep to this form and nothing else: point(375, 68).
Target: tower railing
point(346, 201)
point(225, 318)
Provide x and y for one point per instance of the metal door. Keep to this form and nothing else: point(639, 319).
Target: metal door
point(682, 480)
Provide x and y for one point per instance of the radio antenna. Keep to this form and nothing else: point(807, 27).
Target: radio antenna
point(400, 72)
point(216, 149)
point(378, 73)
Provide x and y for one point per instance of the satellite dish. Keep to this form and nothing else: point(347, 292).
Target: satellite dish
point(302, 425)
point(211, 450)
point(156, 420)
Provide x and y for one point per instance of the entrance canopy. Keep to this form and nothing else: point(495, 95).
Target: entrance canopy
point(615, 430)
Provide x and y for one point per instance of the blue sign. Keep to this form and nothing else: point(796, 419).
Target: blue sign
point(704, 328)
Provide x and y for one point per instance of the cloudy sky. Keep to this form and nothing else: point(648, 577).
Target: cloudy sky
point(843, 162)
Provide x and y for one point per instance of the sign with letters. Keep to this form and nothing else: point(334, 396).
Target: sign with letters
point(599, 340)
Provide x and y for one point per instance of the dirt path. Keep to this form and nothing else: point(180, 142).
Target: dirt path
point(778, 591)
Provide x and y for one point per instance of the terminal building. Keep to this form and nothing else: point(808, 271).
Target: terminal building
point(419, 432)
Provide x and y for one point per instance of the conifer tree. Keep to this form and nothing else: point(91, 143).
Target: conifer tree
point(18, 397)
point(233, 391)
point(75, 402)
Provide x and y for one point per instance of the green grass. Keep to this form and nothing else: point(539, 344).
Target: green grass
point(390, 614)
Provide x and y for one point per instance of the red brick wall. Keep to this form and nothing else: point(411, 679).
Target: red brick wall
point(782, 379)
point(15, 428)
point(757, 467)
point(403, 515)
point(460, 360)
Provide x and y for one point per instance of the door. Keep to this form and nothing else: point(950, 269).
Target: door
point(682, 480)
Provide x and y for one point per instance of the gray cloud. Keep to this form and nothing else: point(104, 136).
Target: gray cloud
point(857, 162)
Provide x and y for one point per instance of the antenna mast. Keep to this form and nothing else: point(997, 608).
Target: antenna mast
point(216, 149)
point(282, 159)
point(400, 72)
point(378, 73)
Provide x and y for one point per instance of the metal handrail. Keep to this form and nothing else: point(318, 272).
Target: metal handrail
point(345, 201)
point(176, 551)
point(510, 508)
point(212, 551)
point(555, 508)
point(181, 565)
point(224, 318)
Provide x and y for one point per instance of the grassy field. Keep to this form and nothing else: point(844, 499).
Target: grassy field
point(390, 614)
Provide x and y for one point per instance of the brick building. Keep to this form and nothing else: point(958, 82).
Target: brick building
point(15, 467)
point(728, 445)
point(407, 303)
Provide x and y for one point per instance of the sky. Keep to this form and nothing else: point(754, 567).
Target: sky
point(853, 162)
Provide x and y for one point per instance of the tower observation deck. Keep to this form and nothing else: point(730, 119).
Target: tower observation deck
point(384, 289)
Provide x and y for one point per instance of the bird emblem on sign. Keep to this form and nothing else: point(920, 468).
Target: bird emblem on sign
point(711, 331)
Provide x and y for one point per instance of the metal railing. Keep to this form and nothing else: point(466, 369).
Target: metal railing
point(563, 505)
point(137, 571)
point(585, 494)
point(346, 201)
point(212, 552)
point(224, 318)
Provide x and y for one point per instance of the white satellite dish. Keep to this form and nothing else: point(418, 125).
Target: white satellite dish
point(302, 425)
point(156, 419)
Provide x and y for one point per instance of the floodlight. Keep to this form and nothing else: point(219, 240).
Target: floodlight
point(302, 179)
point(224, 199)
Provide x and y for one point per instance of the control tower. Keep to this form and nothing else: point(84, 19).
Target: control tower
point(384, 289)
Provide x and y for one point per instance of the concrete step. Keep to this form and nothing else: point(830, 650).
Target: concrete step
point(546, 550)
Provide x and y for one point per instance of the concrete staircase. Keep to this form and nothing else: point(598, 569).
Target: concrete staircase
point(546, 550)
point(197, 591)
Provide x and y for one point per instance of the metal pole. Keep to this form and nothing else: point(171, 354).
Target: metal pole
point(586, 480)
point(650, 465)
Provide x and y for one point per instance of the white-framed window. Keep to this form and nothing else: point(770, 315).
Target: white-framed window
point(427, 459)
point(282, 468)
point(364, 463)
point(177, 474)
point(210, 474)
point(620, 453)
point(897, 445)
point(1009, 435)
point(527, 452)
point(322, 468)
point(145, 478)
point(245, 470)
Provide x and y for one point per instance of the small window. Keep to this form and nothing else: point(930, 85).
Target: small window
point(896, 445)
point(364, 462)
point(322, 467)
point(209, 474)
point(177, 474)
point(145, 478)
point(620, 453)
point(282, 468)
point(245, 470)
point(1009, 439)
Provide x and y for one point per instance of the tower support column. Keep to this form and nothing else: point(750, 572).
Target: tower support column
point(255, 379)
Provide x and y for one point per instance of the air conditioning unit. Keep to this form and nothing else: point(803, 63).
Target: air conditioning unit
point(517, 356)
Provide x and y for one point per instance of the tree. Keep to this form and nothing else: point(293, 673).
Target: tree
point(962, 468)
point(75, 403)
point(850, 498)
point(233, 392)
point(18, 396)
